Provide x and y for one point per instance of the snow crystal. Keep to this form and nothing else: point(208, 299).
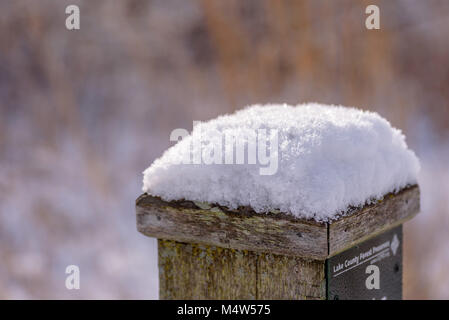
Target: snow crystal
point(319, 160)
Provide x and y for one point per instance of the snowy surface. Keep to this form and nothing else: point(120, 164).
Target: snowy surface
point(329, 158)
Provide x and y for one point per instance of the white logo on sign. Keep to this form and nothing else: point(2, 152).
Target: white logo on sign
point(73, 280)
point(373, 280)
point(394, 244)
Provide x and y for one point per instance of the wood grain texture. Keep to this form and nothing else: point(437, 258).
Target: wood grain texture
point(371, 220)
point(292, 278)
point(191, 271)
point(244, 230)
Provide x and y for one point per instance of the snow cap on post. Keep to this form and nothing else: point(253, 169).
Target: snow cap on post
point(310, 161)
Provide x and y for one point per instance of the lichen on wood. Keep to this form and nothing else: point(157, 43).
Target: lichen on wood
point(245, 230)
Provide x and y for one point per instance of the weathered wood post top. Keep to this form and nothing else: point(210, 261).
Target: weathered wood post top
point(211, 252)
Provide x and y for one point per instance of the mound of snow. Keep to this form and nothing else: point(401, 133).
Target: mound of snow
point(318, 161)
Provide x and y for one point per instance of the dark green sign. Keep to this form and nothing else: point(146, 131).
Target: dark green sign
point(370, 270)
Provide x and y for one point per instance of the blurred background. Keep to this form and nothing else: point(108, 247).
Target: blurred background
point(83, 113)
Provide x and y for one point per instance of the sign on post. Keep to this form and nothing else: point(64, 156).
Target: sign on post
point(369, 270)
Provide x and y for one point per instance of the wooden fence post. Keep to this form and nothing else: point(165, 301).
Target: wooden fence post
point(207, 251)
